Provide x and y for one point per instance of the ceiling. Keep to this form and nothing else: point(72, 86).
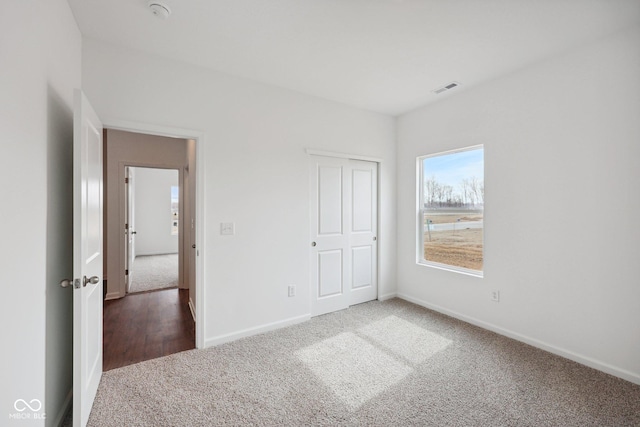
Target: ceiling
point(381, 55)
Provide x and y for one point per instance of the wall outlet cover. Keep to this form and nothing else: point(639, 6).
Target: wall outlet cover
point(227, 228)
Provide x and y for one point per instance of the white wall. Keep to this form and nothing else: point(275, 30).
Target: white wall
point(256, 175)
point(153, 211)
point(40, 51)
point(562, 178)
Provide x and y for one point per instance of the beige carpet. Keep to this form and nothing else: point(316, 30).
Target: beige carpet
point(152, 272)
point(377, 364)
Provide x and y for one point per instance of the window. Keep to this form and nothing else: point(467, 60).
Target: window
point(451, 210)
point(175, 208)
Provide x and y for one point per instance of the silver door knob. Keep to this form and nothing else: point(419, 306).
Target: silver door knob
point(65, 283)
point(94, 280)
point(313, 243)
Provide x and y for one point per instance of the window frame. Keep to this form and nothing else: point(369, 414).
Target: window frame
point(420, 213)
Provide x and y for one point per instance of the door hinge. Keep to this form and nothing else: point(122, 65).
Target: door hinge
point(126, 180)
point(126, 226)
point(126, 272)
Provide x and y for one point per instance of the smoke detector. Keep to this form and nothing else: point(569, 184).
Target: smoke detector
point(159, 9)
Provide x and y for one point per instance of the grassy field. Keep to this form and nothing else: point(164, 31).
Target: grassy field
point(461, 248)
point(448, 217)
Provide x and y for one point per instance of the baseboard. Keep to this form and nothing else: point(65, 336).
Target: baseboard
point(387, 296)
point(583, 360)
point(192, 308)
point(210, 342)
point(66, 405)
point(112, 295)
point(159, 253)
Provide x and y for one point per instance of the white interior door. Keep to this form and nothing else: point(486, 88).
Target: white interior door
point(87, 257)
point(329, 235)
point(343, 260)
point(363, 231)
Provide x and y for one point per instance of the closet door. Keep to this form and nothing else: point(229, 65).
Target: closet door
point(363, 243)
point(343, 262)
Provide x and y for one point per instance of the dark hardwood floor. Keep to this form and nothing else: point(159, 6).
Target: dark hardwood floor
point(147, 325)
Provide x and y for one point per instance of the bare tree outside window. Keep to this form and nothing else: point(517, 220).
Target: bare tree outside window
point(451, 209)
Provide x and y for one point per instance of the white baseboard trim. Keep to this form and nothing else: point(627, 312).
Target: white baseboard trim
point(387, 296)
point(112, 295)
point(57, 421)
point(583, 360)
point(210, 342)
point(156, 253)
point(192, 308)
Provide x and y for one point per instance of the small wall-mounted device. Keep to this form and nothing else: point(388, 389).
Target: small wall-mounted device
point(159, 9)
point(227, 228)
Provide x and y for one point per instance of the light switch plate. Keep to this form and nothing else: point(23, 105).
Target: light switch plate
point(227, 228)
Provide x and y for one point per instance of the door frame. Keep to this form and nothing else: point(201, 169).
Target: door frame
point(129, 243)
point(199, 138)
point(123, 196)
point(349, 156)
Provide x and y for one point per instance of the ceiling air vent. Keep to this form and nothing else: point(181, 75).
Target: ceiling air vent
point(446, 88)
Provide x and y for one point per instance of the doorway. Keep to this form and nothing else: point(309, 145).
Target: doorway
point(152, 226)
point(150, 214)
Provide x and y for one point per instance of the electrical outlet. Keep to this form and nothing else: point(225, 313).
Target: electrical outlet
point(292, 290)
point(495, 296)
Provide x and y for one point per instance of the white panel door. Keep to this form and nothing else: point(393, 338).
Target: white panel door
point(343, 259)
point(87, 257)
point(363, 231)
point(329, 235)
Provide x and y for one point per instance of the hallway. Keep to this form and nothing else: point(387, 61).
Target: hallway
point(146, 325)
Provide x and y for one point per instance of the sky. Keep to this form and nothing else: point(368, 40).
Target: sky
point(174, 194)
point(452, 168)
